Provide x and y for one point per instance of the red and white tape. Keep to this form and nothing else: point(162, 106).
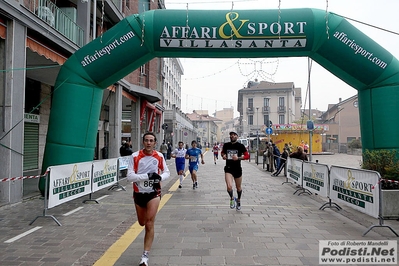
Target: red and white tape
point(385, 180)
point(23, 177)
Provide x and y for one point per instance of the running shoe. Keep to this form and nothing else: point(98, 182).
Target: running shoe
point(193, 185)
point(180, 186)
point(232, 203)
point(238, 206)
point(144, 260)
point(196, 184)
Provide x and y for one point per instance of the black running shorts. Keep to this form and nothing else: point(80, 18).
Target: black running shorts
point(236, 172)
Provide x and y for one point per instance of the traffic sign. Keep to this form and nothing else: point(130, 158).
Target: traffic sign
point(269, 130)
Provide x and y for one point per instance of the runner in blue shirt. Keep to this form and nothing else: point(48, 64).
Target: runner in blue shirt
point(193, 161)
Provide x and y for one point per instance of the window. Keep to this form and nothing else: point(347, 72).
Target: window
point(144, 5)
point(143, 70)
point(250, 120)
point(266, 101)
point(281, 101)
point(281, 119)
point(251, 103)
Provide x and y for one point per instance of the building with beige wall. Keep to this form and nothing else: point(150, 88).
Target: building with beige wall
point(344, 124)
point(262, 102)
point(225, 115)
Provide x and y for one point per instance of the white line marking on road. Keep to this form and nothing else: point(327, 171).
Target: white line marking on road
point(103, 197)
point(22, 235)
point(73, 211)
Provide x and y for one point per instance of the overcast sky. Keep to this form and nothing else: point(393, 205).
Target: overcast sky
point(213, 84)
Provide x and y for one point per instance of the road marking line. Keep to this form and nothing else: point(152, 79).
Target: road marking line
point(103, 197)
point(73, 211)
point(176, 184)
point(22, 235)
point(118, 248)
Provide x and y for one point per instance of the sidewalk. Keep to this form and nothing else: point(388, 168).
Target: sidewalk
point(193, 227)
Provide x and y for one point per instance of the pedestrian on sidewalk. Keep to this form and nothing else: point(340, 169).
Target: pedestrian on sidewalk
point(276, 154)
point(233, 152)
point(271, 157)
point(164, 149)
point(283, 161)
point(146, 169)
point(180, 161)
point(215, 151)
point(193, 155)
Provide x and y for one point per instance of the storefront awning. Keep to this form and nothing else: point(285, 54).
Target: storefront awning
point(45, 51)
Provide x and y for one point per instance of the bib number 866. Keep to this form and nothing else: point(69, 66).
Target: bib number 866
point(148, 183)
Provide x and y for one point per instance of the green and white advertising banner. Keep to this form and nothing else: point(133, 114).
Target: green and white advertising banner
point(294, 169)
point(315, 178)
point(105, 173)
point(68, 182)
point(355, 188)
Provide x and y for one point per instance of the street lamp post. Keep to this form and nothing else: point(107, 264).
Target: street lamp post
point(257, 136)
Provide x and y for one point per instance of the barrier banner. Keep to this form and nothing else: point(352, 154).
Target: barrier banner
point(315, 178)
point(355, 188)
point(104, 173)
point(68, 182)
point(294, 170)
point(124, 162)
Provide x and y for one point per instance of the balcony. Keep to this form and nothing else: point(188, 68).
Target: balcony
point(281, 109)
point(266, 109)
point(61, 19)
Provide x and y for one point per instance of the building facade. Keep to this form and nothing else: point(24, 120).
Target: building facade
point(225, 115)
point(262, 104)
point(36, 38)
point(344, 125)
point(206, 127)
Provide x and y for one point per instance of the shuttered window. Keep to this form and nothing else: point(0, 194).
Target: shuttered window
point(31, 146)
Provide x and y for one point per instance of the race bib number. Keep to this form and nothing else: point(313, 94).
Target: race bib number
point(231, 153)
point(147, 184)
point(193, 159)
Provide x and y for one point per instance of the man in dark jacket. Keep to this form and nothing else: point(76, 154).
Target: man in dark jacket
point(276, 154)
point(284, 157)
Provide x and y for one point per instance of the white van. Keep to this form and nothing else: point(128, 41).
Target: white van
point(245, 142)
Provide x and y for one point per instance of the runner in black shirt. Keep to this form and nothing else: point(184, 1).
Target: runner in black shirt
point(233, 152)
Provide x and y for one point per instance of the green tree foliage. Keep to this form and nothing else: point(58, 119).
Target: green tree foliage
point(384, 162)
point(355, 144)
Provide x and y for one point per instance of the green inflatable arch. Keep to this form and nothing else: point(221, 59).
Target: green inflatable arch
point(343, 50)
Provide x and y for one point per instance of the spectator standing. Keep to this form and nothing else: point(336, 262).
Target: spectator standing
point(169, 152)
point(125, 150)
point(306, 148)
point(271, 157)
point(146, 169)
point(283, 161)
point(164, 149)
point(215, 151)
point(276, 155)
